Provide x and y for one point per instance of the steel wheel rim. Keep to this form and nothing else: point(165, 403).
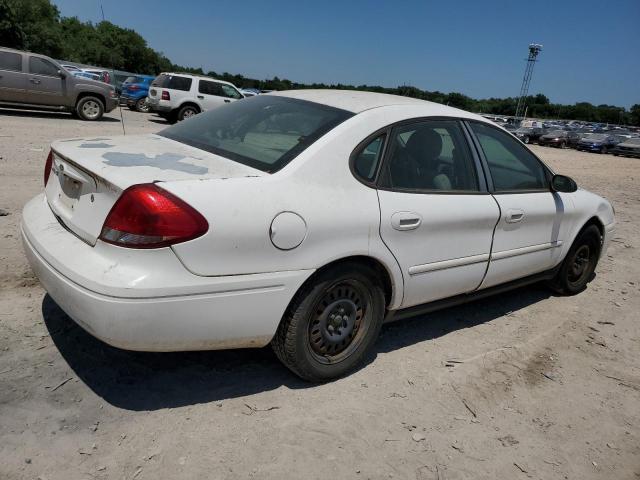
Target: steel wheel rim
point(337, 325)
point(580, 263)
point(91, 109)
point(143, 106)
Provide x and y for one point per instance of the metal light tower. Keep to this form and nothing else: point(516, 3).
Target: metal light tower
point(534, 50)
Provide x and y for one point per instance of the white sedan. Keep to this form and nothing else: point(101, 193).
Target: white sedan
point(301, 219)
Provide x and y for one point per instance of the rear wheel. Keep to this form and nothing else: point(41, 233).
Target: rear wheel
point(187, 111)
point(332, 323)
point(580, 263)
point(526, 140)
point(90, 108)
point(604, 150)
point(563, 144)
point(142, 105)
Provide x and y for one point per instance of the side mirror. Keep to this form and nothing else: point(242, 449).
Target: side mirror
point(564, 184)
point(62, 74)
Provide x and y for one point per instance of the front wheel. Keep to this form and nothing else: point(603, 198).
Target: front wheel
point(563, 145)
point(580, 263)
point(526, 140)
point(604, 150)
point(332, 323)
point(90, 108)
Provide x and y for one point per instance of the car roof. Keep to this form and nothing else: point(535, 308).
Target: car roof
point(357, 101)
point(182, 74)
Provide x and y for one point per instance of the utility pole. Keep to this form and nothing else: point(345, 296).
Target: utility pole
point(534, 50)
point(102, 10)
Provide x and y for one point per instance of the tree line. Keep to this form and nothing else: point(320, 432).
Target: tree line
point(37, 26)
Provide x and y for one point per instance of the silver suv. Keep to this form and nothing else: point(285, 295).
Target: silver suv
point(29, 80)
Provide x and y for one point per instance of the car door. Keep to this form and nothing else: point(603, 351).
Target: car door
point(533, 220)
point(437, 217)
point(210, 94)
point(45, 85)
point(12, 77)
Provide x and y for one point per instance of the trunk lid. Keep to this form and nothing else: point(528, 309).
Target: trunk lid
point(89, 175)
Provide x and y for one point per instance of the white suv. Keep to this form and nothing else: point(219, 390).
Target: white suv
point(176, 96)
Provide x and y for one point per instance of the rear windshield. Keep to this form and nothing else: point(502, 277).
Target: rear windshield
point(596, 136)
point(557, 133)
point(264, 132)
point(175, 82)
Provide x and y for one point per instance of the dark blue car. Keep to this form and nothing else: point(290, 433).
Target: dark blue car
point(597, 142)
point(134, 92)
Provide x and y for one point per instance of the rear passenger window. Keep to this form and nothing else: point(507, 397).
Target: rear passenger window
point(367, 159)
point(11, 61)
point(209, 88)
point(513, 167)
point(179, 83)
point(40, 66)
point(430, 156)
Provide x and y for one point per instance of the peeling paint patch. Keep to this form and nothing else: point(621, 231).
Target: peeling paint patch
point(96, 145)
point(164, 161)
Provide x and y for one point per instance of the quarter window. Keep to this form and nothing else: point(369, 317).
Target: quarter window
point(432, 156)
point(40, 66)
point(11, 61)
point(366, 161)
point(511, 164)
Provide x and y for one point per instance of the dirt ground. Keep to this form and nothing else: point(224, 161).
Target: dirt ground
point(523, 385)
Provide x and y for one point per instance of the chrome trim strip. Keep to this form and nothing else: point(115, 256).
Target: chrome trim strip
point(524, 250)
point(454, 262)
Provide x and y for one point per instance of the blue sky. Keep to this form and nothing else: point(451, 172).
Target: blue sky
point(591, 48)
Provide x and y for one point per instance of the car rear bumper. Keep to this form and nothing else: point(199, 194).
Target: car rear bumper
point(147, 300)
point(111, 104)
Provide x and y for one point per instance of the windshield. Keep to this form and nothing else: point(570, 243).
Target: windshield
point(556, 133)
point(596, 136)
point(264, 132)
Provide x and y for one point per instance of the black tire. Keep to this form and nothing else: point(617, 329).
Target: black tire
point(90, 108)
point(580, 263)
point(131, 107)
point(187, 111)
point(563, 144)
point(526, 140)
point(604, 150)
point(142, 105)
point(310, 342)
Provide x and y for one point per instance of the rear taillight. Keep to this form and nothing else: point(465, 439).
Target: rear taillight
point(147, 216)
point(48, 165)
point(133, 87)
point(165, 95)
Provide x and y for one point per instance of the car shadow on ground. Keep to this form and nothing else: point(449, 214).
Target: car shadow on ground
point(49, 114)
point(151, 381)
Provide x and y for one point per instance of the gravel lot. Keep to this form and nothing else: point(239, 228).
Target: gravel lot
point(547, 387)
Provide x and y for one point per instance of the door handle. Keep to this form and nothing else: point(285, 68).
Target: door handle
point(227, 101)
point(33, 80)
point(514, 215)
point(405, 221)
point(201, 97)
